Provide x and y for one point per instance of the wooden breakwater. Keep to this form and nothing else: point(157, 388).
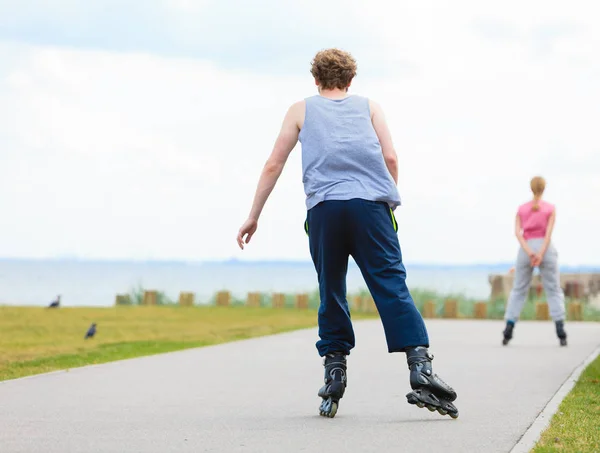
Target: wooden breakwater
point(581, 291)
point(445, 308)
point(584, 287)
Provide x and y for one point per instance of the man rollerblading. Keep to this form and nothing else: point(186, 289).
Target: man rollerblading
point(350, 176)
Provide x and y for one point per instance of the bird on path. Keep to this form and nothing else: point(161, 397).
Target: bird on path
point(55, 303)
point(91, 331)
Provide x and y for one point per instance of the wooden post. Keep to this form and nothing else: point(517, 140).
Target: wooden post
point(573, 290)
point(429, 309)
point(123, 299)
point(363, 304)
point(357, 303)
point(278, 300)
point(253, 300)
point(223, 298)
point(575, 311)
point(150, 298)
point(368, 304)
point(497, 283)
point(541, 311)
point(302, 301)
point(371, 307)
point(539, 289)
point(568, 291)
point(480, 310)
point(187, 299)
point(450, 308)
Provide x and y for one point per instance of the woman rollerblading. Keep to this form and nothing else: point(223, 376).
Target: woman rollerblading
point(534, 225)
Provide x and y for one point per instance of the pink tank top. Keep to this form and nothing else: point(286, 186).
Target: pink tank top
point(534, 223)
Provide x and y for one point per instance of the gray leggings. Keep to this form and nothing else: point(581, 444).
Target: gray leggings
point(550, 280)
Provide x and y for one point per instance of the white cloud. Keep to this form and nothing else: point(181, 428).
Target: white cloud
point(131, 155)
point(107, 154)
point(271, 35)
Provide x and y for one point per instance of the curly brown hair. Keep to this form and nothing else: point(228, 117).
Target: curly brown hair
point(333, 68)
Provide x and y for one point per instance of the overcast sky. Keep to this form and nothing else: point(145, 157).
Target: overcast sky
point(138, 130)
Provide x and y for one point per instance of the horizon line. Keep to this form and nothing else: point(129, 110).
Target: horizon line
point(226, 261)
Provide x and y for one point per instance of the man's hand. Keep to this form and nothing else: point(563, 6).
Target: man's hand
point(246, 232)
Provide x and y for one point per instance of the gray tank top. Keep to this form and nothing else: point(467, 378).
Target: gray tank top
point(341, 154)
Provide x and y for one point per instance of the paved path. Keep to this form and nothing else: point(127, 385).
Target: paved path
point(260, 396)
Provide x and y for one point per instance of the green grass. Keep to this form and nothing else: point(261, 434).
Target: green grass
point(576, 425)
point(38, 340)
point(591, 313)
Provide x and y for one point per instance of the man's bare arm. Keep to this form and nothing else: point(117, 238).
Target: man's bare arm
point(285, 143)
point(385, 139)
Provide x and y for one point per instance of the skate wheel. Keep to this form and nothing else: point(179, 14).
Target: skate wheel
point(442, 411)
point(328, 408)
point(333, 411)
point(431, 408)
point(420, 404)
point(455, 416)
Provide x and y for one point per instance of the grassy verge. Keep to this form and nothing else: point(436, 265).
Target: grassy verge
point(38, 340)
point(576, 425)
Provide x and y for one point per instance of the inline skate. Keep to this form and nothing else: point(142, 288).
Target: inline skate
point(428, 389)
point(508, 332)
point(560, 332)
point(335, 384)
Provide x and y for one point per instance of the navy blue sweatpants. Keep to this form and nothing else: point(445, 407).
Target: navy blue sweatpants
point(367, 231)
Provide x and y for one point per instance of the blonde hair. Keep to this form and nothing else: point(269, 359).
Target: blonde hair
point(333, 68)
point(537, 184)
